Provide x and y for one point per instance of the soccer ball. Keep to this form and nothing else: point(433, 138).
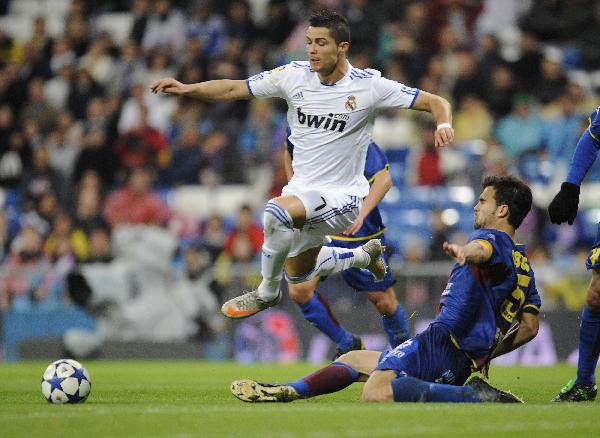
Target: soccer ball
point(66, 381)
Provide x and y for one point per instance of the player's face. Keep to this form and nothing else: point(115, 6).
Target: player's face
point(485, 209)
point(323, 52)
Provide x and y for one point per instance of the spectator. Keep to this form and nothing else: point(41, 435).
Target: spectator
point(552, 83)
point(41, 178)
point(88, 208)
point(56, 91)
point(83, 89)
point(429, 172)
point(214, 235)
point(129, 67)
point(259, 139)
point(98, 62)
point(527, 67)
point(239, 23)
point(186, 158)
point(76, 33)
point(62, 55)
point(23, 273)
point(244, 242)
point(522, 130)
point(15, 158)
point(64, 146)
point(100, 246)
point(40, 47)
point(164, 28)
point(63, 231)
point(499, 90)
point(141, 12)
point(97, 156)
point(472, 120)
point(143, 145)
point(468, 80)
point(135, 203)
point(562, 128)
point(36, 108)
point(216, 163)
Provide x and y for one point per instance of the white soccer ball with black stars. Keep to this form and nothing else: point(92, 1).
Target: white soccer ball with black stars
point(66, 381)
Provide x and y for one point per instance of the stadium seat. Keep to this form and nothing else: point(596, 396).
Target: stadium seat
point(536, 169)
point(398, 159)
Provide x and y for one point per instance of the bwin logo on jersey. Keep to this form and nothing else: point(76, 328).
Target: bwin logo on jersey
point(331, 123)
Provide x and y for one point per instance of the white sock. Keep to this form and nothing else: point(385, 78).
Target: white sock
point(334, 259)
point(279, 235)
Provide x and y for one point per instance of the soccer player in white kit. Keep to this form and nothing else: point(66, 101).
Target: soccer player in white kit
point(331, 110)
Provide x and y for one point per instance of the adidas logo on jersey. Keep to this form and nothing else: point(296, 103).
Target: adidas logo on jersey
point(298, 96)
point(333, 122)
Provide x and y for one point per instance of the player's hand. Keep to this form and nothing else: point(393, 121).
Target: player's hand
point(563, 207)
point(457, 252)
point(357, 225)
point(443, 136)
point(168, 85)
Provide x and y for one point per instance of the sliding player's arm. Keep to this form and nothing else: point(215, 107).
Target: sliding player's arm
point(524, 331)
point(382, 183)
point(474, 252)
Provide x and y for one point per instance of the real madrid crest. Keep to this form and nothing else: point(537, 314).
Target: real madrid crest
point(351, 103)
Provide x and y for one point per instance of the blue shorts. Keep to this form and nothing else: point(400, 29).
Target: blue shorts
point(430, 356)
point(593, 260)
point(361, 279)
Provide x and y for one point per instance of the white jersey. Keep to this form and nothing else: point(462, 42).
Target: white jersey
point(331, 124)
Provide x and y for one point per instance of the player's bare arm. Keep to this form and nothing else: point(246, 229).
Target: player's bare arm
point(525, 331)
point(210, 91)
point(474, 253)
point(441, 111)
point(382, 183)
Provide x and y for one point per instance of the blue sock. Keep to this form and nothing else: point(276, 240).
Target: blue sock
point(396, 326)
point(332, 378)
point(411, 389)
point(318, 313)
point(589, 346)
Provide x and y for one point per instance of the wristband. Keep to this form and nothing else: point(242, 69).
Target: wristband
point(444, 125)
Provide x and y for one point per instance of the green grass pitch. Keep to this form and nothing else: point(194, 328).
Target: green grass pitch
point(187, 399)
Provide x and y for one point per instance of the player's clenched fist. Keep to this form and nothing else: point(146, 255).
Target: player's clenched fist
point(169, 85)
point(444, 135)
point(457, 252)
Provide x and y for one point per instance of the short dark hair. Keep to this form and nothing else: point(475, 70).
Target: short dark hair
point(513, 192)
point(337, 24)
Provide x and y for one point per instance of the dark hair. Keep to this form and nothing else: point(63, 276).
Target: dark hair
point(336, 23)
point(513, 192)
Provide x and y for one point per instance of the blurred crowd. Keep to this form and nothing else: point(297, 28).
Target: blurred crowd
point(85, 148)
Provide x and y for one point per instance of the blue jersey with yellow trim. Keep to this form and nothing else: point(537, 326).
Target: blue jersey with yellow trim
point(481, 301)
point(375, 163)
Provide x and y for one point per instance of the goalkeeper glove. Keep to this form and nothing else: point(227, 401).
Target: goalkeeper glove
point(563, 207)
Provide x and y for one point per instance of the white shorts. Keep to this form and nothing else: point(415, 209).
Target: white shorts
point(326, 213)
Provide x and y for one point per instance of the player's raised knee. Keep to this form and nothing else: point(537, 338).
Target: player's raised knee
point(276, 218)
